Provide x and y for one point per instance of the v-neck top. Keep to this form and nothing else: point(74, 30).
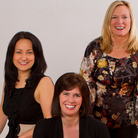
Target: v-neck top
point(53, 128)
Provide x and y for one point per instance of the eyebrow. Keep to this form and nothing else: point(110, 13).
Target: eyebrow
point(117, 14)
point(21, 49)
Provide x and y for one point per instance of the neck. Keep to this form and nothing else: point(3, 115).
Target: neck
point(22, 76)
point(70, 121)
point(119, 41)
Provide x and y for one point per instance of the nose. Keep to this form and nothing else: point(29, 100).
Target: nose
point(71, 99)
point(120, 20)
point(24, 57)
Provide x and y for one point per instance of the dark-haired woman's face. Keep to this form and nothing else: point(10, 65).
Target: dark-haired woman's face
point(23, 57)
point(70, 102)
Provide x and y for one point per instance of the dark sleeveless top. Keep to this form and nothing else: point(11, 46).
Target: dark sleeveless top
point(21, 108)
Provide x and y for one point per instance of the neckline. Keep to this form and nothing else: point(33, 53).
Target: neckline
point(125, 57)
point(19, 88)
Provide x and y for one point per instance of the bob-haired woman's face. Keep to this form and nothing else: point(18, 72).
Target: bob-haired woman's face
point(70, 102)
point(23, 57)
point(120, 21)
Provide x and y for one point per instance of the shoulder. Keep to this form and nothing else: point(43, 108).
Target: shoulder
point(93, 120)
point(93, 47)
point(95, 128)
point(95, 43)
point(93, 123)
point(42, 128)
point(44, 122)
point(45, 81)
point(47, 128)
point(48, 123)
point(98, 127)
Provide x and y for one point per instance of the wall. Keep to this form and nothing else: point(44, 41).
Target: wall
point(64, 27)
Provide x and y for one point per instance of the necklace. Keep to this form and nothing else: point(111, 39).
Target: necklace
point(119, 47)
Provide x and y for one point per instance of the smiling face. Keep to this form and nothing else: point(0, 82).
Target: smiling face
point(70, 102)
point(23, 57)
point(120, 22)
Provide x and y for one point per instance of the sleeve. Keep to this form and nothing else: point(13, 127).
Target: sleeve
point(96, 128)
point(42, 129)
point(87, 69)
point(136, 104)
point(103, 132)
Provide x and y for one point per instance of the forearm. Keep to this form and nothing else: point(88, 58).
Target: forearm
point(27, 134)
point(3, 119)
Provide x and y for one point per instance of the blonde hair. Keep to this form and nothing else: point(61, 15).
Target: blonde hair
point(106, 42)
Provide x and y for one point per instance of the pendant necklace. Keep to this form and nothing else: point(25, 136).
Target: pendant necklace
point(119, 47)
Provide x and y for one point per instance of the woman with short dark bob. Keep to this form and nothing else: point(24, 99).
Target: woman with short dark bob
point(70, 112)
point(27, 92)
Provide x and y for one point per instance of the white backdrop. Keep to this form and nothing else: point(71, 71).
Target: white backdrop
point(64, 27)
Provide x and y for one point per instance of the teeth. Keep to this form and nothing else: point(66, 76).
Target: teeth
point(120, 28)
point(69, 106)
point(23, 63)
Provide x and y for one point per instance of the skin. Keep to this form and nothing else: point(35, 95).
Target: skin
point(120, 25)
point(120, 22)
point(23, 59)
point(70, 103)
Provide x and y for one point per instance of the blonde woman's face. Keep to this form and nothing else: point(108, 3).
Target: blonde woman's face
point(120, 22)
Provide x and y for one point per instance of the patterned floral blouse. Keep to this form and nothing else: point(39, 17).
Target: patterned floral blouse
point(113, 85)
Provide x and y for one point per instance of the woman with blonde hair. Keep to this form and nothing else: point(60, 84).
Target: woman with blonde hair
point(110, 68)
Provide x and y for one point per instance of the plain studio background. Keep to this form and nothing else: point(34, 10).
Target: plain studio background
point(64, 27)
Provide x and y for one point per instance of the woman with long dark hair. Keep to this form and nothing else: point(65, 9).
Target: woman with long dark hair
point(27, 92)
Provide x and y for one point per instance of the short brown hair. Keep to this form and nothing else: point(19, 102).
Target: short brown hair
point(69, 81)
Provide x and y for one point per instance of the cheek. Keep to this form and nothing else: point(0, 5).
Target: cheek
point(32, 58)
point(129, 24)
point(111, 25)
point(80, 101)
point(61, 99)
point(15, 58)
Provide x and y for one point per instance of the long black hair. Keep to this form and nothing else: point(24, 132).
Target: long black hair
point(39, 67)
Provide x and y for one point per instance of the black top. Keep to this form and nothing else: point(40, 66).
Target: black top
point(21, 108)
point(113, 84)
point(88, 128)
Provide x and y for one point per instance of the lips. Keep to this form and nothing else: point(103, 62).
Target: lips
point(120, 28)
point(70, 106)
point(23, 63)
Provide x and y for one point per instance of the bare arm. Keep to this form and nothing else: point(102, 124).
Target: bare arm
point(45, 95)
point(3, 117)
point(27, 134)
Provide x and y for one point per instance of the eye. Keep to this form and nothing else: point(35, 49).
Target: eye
point(77, 95)
point(125, 17)
point(30, 52)
point(18, 52)
point(65, 93)
point(114, 17)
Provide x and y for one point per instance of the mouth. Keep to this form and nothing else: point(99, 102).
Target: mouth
point(120, 28)
point(23, 63)
point(70, 106)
